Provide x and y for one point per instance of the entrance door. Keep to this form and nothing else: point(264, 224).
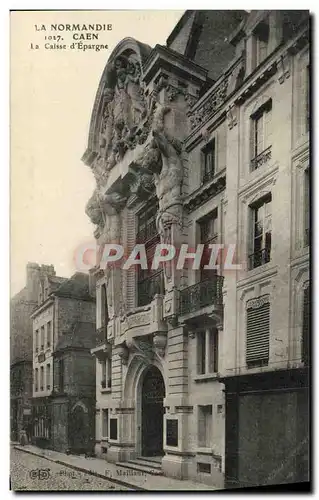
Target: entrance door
point(153, 393)
point(78, 432)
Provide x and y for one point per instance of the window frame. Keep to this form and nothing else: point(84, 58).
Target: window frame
point(264, 249)
point(209, 150)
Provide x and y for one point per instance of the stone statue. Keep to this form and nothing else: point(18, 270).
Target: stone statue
point(168, 182)
point(135, 91)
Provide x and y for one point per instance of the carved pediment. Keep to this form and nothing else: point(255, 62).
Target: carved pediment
point(122, 112)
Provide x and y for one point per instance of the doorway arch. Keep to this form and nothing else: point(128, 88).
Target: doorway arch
point(152, 409)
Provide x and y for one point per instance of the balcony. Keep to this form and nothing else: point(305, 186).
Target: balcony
point(149, 287)
point(102, 347)
point(148, 232)
point(261, 159)
point(207, 293)
point(208, 176)
point(259, 258)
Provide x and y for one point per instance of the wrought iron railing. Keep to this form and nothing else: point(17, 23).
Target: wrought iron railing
point(101, 336)
point(149, 287)
point(204, 293)
point(148, 232)
point(260, 159)
point(259, 258)
point(208, 176)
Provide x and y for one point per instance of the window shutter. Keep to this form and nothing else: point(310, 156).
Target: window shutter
point(258, 323)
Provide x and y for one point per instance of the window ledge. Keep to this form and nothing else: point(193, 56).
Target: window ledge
point(107, 390)
point(206, 377)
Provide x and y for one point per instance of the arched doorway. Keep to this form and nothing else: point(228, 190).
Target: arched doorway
point(153, 393)
point(78, 430)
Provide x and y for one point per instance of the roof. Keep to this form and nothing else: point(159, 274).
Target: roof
point(80, 335)
point(77, 286)
point(56, 281)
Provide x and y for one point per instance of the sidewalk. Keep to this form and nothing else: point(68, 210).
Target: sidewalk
point(120, 475)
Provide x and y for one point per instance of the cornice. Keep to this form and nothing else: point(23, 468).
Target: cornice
point(205, 192)
point(162, 57)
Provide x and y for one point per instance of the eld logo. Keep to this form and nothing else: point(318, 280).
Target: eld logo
point(40, 474)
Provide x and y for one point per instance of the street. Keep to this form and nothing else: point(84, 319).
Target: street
point(29, 472)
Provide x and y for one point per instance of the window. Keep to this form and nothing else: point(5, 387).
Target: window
point(150, 281)
point(37, 341)
point(106, 373)
point(261, 135)
point(260, 45)
point(305, 325)
point(203, 468)
point(61, 375)
point(208, 236)
point(105, 423)
point(104, 310)
point(103, 378)
point(48, 376)
point(207, 351)
point(41, 378)
point(257, 332)
point(36, 380)
point(49, 333)
point(42, 338)
point(205, 419)
point(208, 160)
point(261, 232)
point(306, 207)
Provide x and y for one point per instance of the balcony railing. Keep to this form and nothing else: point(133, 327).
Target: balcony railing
point(260, 159)
point(204, 293)
point(101, 336)
point(208, 176)
point(259, 258)
point(148, 232)
point(149, 287)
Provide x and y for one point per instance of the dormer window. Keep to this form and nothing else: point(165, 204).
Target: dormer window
point(261, 39)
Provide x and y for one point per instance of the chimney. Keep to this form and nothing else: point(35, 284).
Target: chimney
point(33, 279)
point(47, 270)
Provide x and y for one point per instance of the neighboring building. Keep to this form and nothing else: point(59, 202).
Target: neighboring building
point(63, 369)
point(204, 373)
point(21, 307)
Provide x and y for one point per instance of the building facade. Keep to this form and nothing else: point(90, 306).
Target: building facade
point(204, 372)
point(21, 307)
point(63, 369)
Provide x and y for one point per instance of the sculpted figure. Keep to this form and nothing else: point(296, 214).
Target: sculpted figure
point(169, 181)
point(122, 106)
point(107, 122)
point(135, 92)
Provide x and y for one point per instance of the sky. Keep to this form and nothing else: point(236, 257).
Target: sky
point(52, 95)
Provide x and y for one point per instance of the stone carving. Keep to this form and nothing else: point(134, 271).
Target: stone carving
point(210, 105)
point(103, 211)
point(126, 114)
point(141, 347)
point(159, 342)
point(168, 182)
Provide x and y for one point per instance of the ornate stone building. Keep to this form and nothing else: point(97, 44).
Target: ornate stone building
point(63, 369)
point(203, 374)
